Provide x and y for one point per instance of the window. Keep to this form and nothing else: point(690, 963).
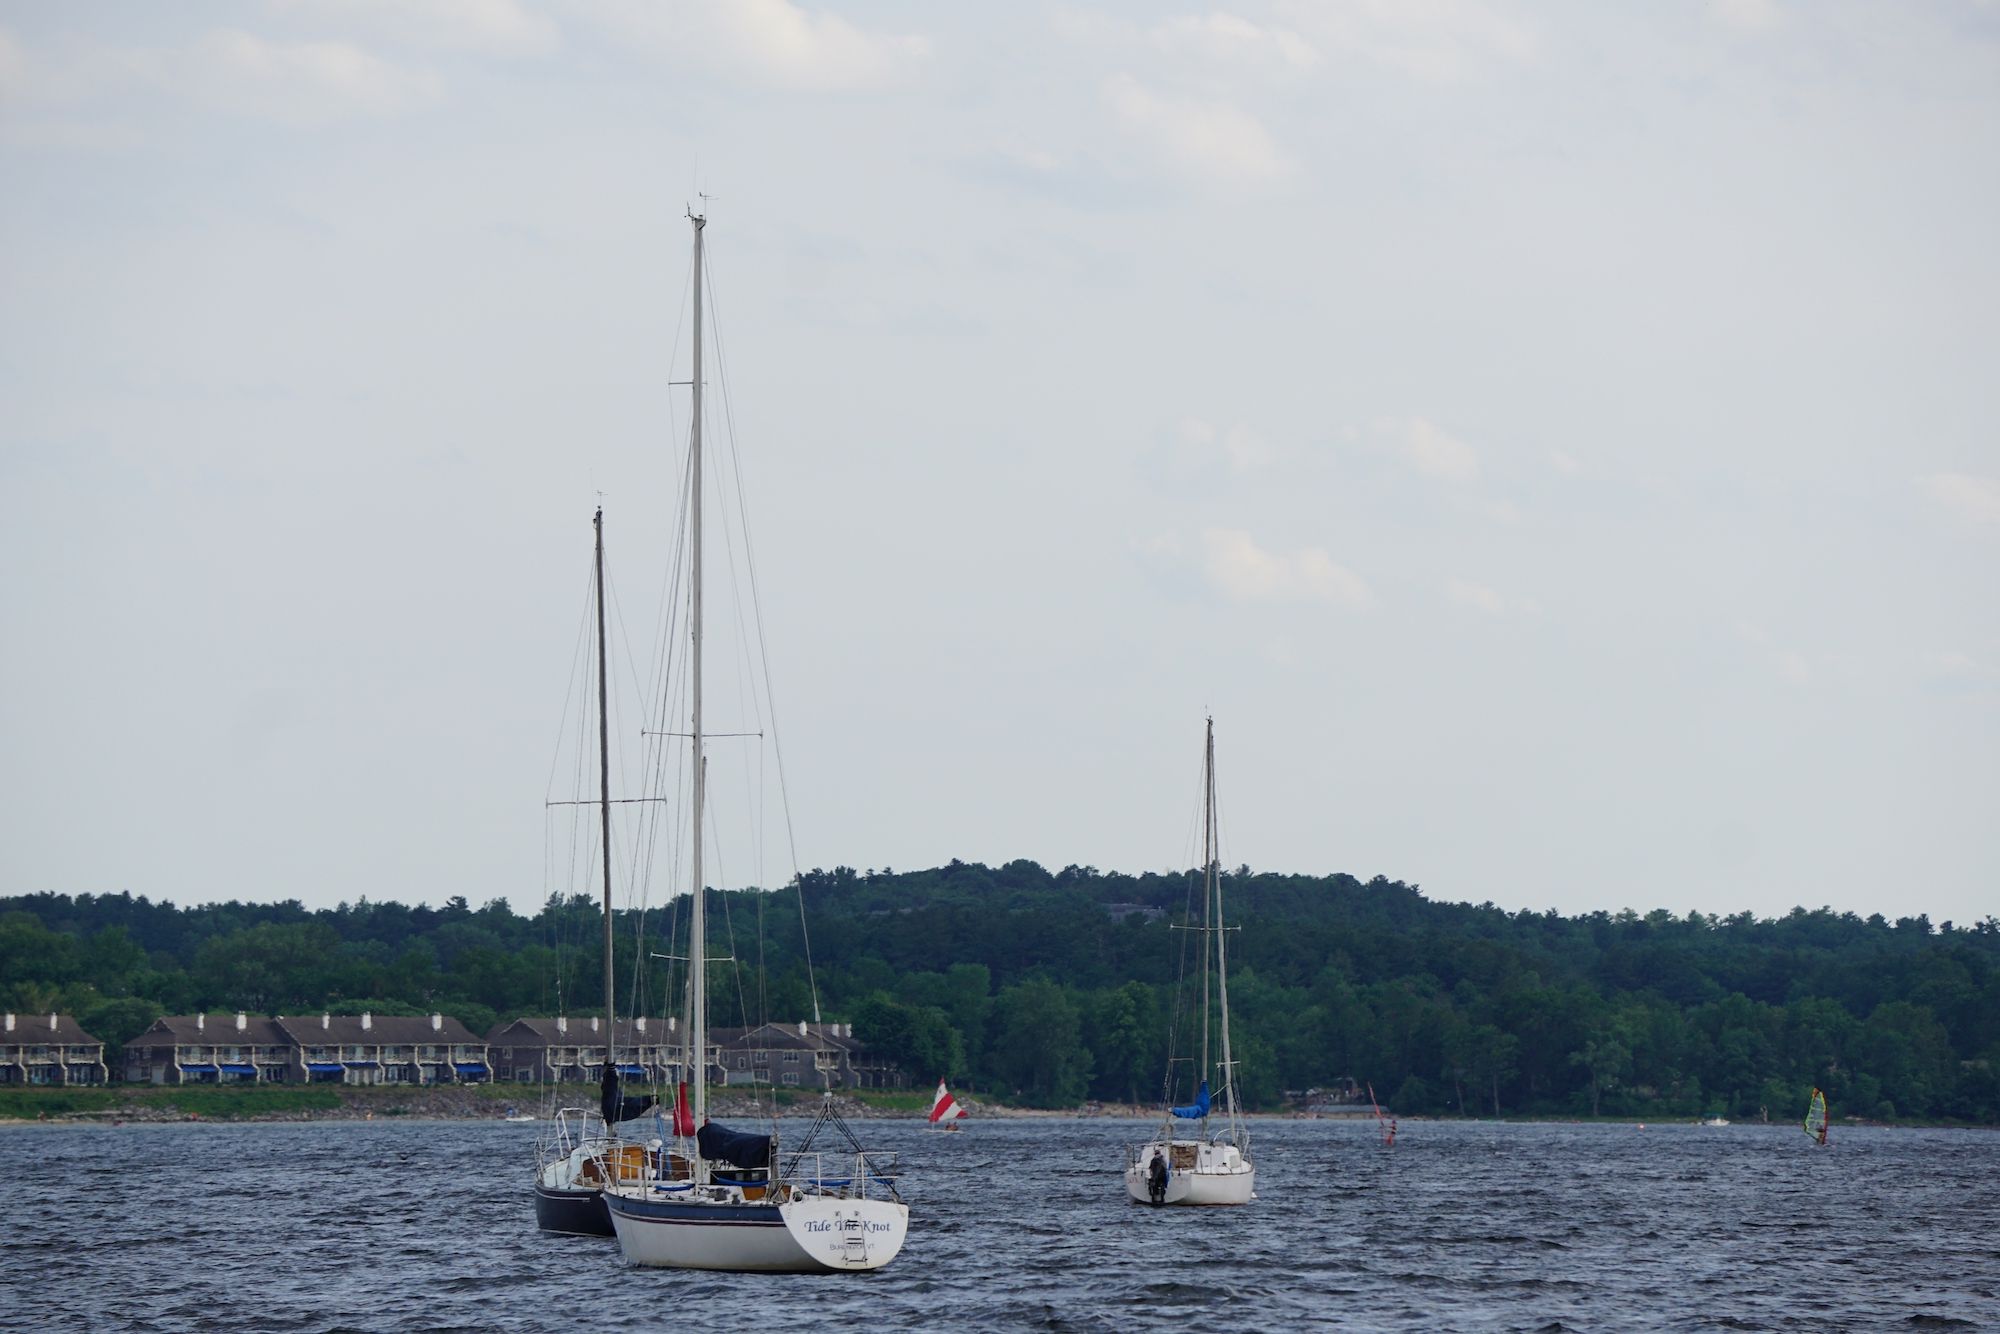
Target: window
point(791, 1076)
point(792, 1058)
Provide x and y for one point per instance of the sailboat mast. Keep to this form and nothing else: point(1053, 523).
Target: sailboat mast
point(604, 794)
point(1221, 944)
point(698, 919)
point(1207, 891)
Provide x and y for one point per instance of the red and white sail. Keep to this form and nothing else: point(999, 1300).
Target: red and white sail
point(944, 1107)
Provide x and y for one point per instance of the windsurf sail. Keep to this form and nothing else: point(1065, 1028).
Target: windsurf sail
point(1816, 1116)
point(1197, 1109)
point(1387, 1127)
point(944, 1107)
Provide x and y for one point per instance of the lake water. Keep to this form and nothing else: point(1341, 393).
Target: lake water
point(1023, 1224)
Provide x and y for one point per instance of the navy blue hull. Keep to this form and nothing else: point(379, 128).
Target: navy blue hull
point(577, 1212)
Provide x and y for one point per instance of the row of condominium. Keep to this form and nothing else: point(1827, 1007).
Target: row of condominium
point(430, 1049)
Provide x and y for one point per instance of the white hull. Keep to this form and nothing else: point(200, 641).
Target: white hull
point(1220, 1175)
point(814, 1235)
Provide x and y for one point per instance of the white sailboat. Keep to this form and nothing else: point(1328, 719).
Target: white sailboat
point(1212, 1164)
point(725, 1199)
point(583, 1150)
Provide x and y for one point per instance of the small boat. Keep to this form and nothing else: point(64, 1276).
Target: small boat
point(945, 1112)
point(1206, 1167)
point(1715, 1119)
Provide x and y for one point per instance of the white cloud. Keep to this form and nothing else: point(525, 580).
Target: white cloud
point(1746, 15)
point(1235, 40)
point(1207, 140)
point(1426, 447)
point(1434, 41)
point(494, 27)
point(773, 41)
point(1477, 596)
point(1246, 572)
point(1564, 463)
point(1974, 498)
point(304, 83)
point(298, 83)
point(13, 66)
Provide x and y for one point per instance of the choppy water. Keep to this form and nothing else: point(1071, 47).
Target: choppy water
point(1024, 1224)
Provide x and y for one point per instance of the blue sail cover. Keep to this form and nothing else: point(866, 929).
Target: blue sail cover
point(1197, 1109)
point(738, 1148)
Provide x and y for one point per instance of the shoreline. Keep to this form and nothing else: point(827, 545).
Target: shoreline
point(280, 1104)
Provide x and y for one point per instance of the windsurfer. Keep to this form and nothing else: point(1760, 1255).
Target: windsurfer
point(1390, 1139)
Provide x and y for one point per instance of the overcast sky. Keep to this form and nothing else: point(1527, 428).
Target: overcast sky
point(1559, 442)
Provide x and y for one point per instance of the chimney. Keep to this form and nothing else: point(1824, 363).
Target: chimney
point(437, 1023)
point(10, 1023)
point(52, 1023)
point(802, 1028)
point(850, 1030)
point(367, 1020)
point(326, 1021)
point(201, 1022)
point(242, 1021)
point(593, 1023)
point(671, 1022)
point(562, 1023)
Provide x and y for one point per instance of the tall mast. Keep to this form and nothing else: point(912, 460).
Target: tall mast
point(604, 795)
point(1207, 890)
point(698, 919)
point(1221, 943)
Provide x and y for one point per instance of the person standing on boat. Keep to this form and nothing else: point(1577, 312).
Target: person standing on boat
point(1156, 1178)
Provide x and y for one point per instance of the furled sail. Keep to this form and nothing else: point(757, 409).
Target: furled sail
point(738, 1148)
point(617, 1106)
point(1197, 1109)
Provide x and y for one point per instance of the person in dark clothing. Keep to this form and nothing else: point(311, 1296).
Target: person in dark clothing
point(1156, 1178)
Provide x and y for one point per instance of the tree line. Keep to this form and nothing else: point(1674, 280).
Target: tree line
point(1051, 988)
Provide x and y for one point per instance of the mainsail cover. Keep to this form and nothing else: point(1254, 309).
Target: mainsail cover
point(1197, 1109)
point(738, 1148)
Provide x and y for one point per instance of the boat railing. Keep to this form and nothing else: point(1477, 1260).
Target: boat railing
point(847, 1175)
point(572, 1128)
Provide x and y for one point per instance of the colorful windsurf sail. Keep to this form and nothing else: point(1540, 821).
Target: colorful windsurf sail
point(1816, 1116)
point(1387, 1127)
point(944, 1107)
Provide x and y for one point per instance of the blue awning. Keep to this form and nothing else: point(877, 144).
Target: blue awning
point(632, 1071)
point(325, 1067)
point(363, 1065)
point(198, 1070)
point(238, 1068)
point(470, 1067)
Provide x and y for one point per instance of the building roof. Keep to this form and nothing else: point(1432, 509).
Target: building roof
point(378, 1030)
point(176, 1030)
point(784, 1037)
point(583, 1031)
point(32, 1029)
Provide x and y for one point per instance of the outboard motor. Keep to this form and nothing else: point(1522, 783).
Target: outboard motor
point(1156, 1178)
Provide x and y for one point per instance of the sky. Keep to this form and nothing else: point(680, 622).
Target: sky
point(1558, 443)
